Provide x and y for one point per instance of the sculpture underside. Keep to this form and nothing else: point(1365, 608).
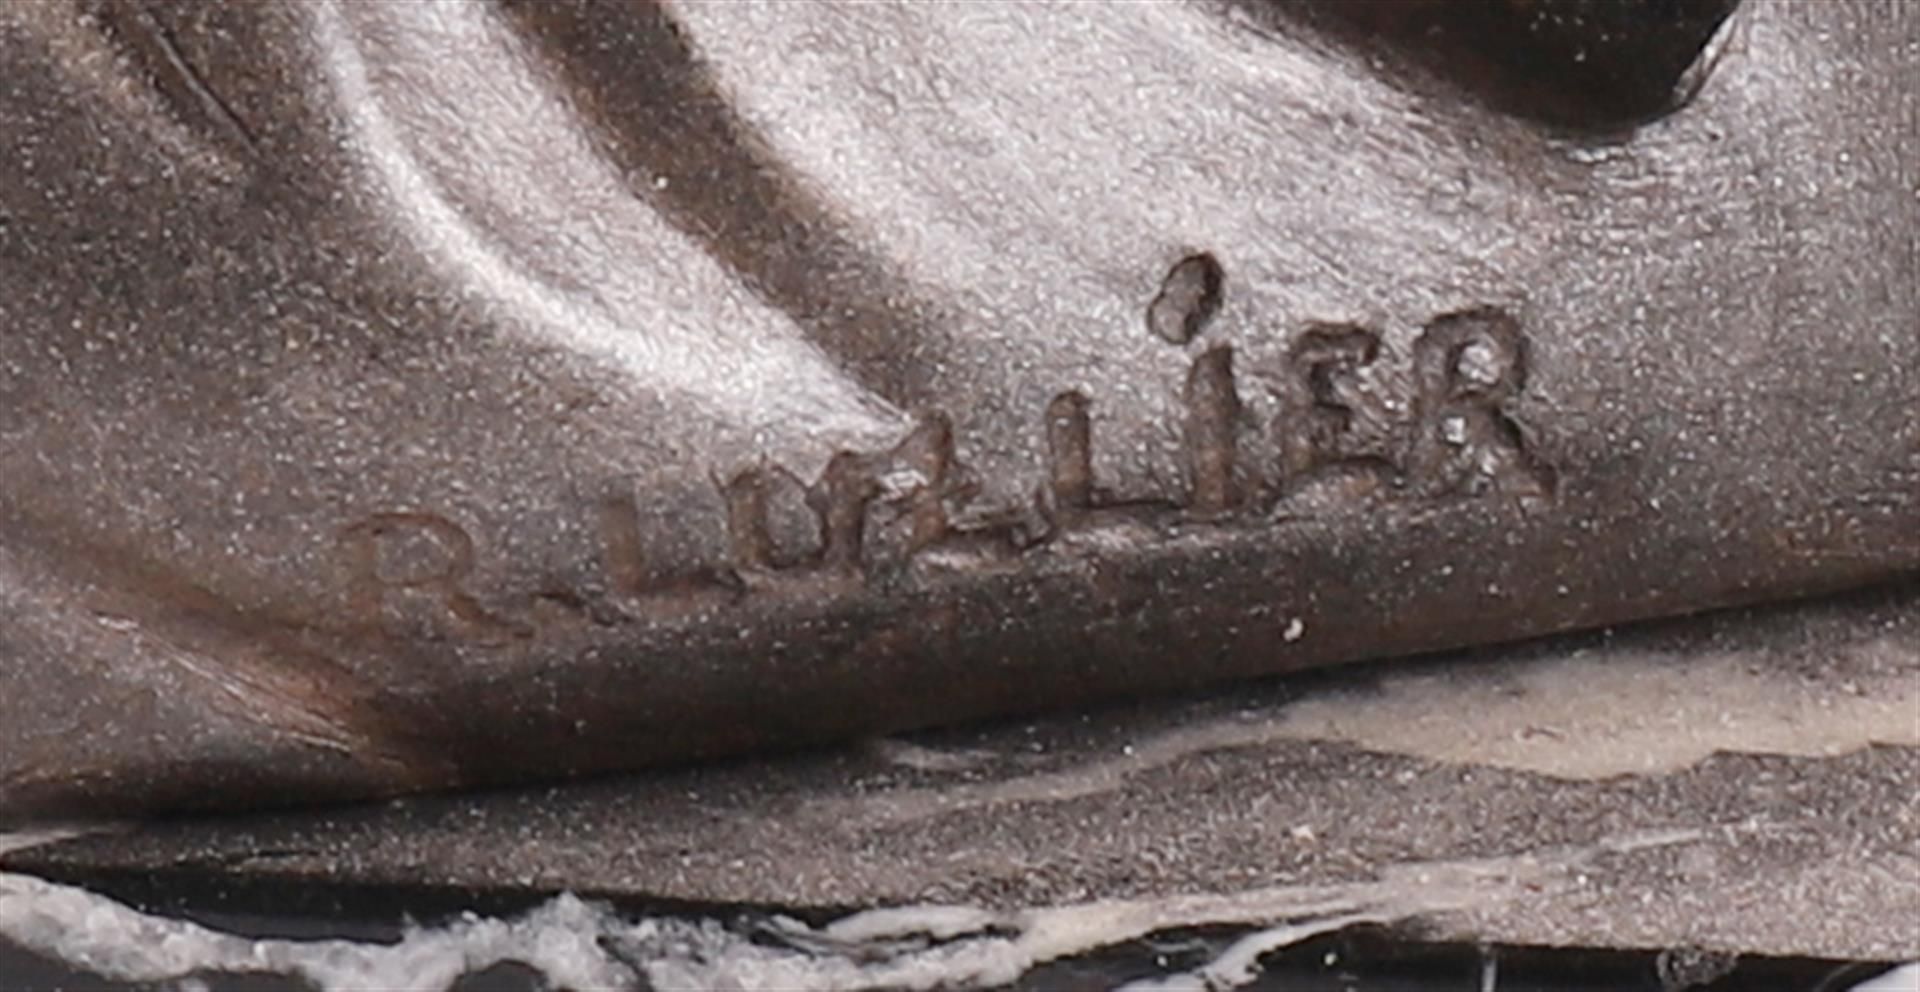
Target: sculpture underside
point(396, 397)
point(1746, 793)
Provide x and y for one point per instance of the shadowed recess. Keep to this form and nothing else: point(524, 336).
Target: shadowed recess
point(1579, 64)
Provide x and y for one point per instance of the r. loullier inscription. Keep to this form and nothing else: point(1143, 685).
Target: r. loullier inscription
point(1448, 435)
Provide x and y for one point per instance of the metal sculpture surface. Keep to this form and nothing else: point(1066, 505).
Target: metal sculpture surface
point(396, 396)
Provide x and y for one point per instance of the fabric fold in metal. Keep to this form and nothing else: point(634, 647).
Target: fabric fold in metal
point(405, 396)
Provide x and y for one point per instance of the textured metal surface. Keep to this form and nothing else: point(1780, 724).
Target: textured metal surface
point(1744, 783)
point(397, 396)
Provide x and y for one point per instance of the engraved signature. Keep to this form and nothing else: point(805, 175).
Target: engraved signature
point(1453, 437)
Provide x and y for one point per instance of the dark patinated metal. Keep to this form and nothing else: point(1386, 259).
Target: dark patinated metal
point(400, 396)
point(1693, 786)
